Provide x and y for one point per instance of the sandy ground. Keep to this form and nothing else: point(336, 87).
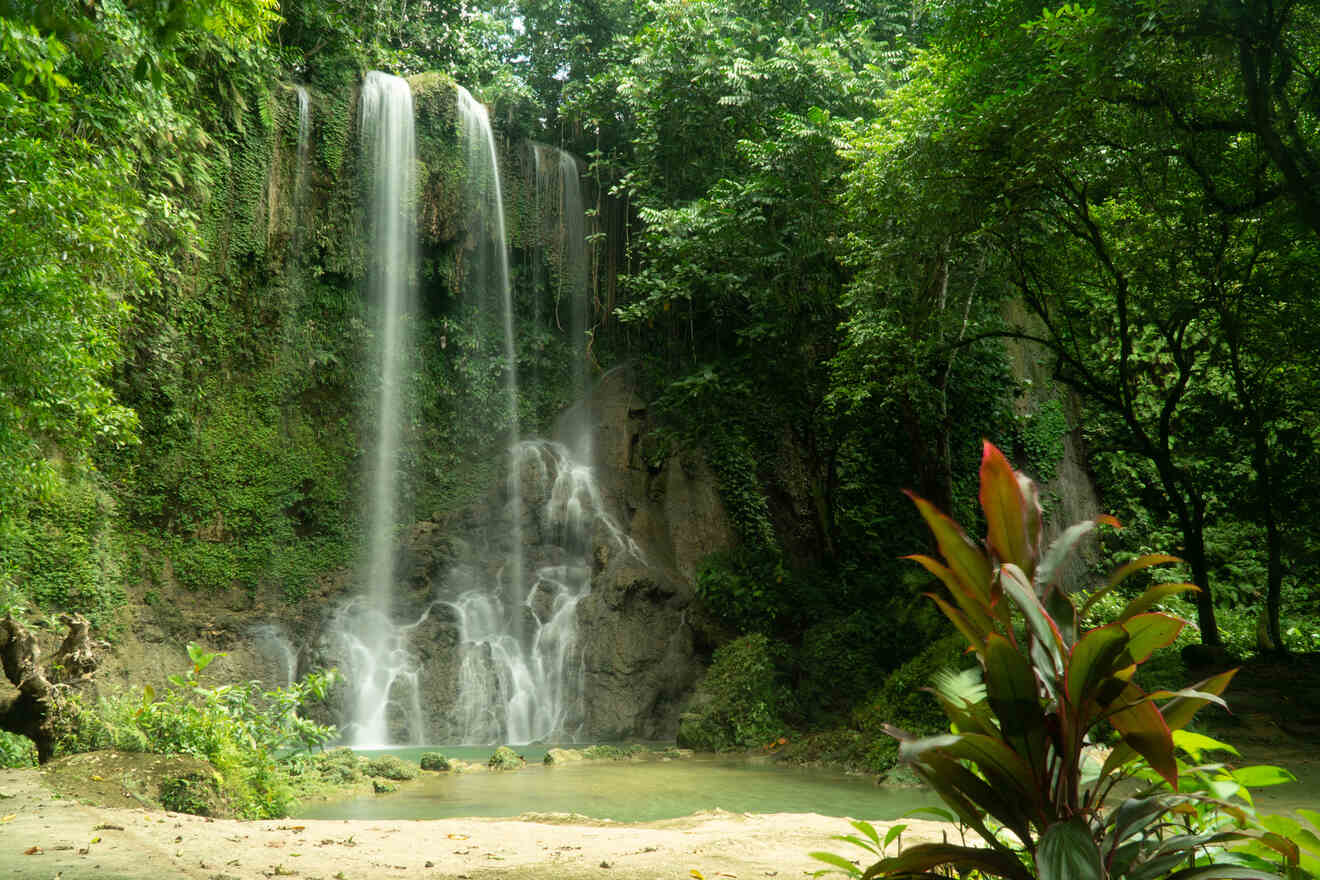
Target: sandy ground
point(44, 836)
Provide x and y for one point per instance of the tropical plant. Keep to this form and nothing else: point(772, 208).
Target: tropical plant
point(1020, 767)
point(239, 728)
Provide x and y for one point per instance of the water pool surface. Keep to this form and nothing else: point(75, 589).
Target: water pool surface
point(626, 791)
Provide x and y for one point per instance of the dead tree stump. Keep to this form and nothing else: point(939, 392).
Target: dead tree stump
point(30, 709)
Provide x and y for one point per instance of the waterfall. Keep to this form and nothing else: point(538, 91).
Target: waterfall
point(300, 169)
point(521, 677)
point(381, 662)
point(485, 203)
point(272, 642)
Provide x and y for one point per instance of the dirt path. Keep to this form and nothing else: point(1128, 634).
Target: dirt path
point(81, 842)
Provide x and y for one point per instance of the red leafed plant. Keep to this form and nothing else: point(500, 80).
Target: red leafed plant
point(1014, 760)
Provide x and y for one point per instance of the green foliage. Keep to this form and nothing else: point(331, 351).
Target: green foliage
point(1041, 432)
point(434, 761)
point(333, 767)
point(612, 753)
point(391, 767)
point(1017, 758)
point(239, 729)
point(741, 589)
point(505, 758)
point(743, 700)
point(192, 793)
point(65, 553)
point(903, 701)
point(17, 751)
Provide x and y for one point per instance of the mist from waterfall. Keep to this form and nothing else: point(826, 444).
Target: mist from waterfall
point(380, 660)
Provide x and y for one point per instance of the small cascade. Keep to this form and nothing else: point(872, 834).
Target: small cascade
point(383, 672)
point(558, 189)
point(274, 645)
point(521, 676)
point(304, 148)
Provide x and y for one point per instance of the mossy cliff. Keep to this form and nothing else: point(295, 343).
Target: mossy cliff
point(246, 370)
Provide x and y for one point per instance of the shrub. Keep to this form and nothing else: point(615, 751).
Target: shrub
point(192, 793)
point(16, 750)
point(434, 761)
point(505, 758)
point(1016, 760)
point(390, 767)
point(903, 701)
point(238, 729)
point(743, 699)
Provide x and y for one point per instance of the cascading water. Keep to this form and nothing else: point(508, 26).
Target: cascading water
point(558, 188)
point(384, 673)
point(272, 642)
point(304, 141)
point(521, 676)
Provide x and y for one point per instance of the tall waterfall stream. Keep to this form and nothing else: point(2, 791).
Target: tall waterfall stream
point(520, 673)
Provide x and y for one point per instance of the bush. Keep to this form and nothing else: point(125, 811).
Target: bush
point(505, 758)
point(1020, 757)
point(191, 793)
point(238, 729)
point(743, 699)
point(390, 767)
point(612, 753)
point(16, 751)
point(434, 761)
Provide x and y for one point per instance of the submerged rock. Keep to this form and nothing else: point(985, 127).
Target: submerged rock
point(561, 756)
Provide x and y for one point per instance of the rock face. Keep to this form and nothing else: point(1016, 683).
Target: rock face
point(638, 639)
point(608, 560)
point(635, 641)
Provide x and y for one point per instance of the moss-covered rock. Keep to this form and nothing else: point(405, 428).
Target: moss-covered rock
point(390, 767)
point(434, 761)
point(742, 701)
point(555, 757)
point(505, 758)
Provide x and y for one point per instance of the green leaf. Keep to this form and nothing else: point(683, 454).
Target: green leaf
point(1091, 662)
point(1196, 744)
point(975, 636)
point(1153, 596)
point(1011, 689)
point(1051, 563)
point(1018, 588)
point(834, 861)
point(966, 560)
point(1124, 572)
point(1006, 514)
point(1150, 632)
point(1178, 713)
point(974, 605)
point(1223, 872)
point(867, 829)
point(1145, 731)
point(926, 856)
point(1068, 852)
point(1262, 776)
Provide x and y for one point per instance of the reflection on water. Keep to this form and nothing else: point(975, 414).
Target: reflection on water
point(629, 792)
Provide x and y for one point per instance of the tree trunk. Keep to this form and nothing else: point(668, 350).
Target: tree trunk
point(31, 710)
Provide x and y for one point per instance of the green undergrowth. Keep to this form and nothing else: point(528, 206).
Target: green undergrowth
point(241, 731)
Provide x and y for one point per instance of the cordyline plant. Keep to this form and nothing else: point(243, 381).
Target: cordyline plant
point(1014, 761)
